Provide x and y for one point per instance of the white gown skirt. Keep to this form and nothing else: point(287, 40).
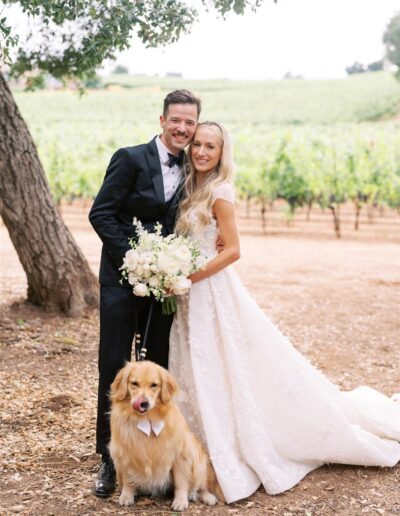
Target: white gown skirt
point(264, 413)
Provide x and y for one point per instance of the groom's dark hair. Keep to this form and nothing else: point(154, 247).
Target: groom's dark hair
point(181, 97)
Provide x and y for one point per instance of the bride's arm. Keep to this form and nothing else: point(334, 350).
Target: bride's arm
point(225, 215)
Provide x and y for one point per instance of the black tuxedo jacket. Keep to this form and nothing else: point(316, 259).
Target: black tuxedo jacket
point(133, 187)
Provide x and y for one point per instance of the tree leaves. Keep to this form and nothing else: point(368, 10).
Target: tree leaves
point(77, 35)
point(391, 39)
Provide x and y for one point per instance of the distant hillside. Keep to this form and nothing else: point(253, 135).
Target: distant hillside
point(359, 98)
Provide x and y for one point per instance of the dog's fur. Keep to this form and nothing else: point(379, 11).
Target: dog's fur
point(155, 463)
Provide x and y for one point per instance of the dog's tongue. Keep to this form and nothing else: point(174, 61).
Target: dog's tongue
point(136, 404)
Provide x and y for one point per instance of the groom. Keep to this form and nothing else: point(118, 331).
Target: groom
point(143, 182)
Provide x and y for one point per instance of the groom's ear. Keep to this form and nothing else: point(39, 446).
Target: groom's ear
point(162, 121)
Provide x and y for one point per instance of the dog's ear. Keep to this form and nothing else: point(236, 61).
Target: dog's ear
point(119, 387)
point(168, 386)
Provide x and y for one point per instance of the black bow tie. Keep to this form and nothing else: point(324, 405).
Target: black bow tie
point(175, 160)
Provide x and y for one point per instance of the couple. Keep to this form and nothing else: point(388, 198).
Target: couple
point(264, 413)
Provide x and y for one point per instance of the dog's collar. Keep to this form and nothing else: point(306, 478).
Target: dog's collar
point(146, 426)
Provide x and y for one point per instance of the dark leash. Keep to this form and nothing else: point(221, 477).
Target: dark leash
point(141, 345)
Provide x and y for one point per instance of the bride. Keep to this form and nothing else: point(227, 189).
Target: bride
point(265, 414)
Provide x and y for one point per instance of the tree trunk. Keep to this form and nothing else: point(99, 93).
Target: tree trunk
point(309, 207)
point(263, 216)
point(358, 207)
point(336, 219)
point(248, 200)
point(370, 213)
point(58, 274)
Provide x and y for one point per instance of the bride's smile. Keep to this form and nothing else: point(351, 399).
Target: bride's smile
point(206, 150)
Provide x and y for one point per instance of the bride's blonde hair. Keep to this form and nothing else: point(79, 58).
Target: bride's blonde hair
point(198, 198)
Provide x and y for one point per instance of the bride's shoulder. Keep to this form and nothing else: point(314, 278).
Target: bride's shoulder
point(224, 191)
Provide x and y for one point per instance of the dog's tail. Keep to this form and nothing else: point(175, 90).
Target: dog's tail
point(212, 483)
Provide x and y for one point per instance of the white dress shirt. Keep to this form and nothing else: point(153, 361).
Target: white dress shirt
point(171, 175)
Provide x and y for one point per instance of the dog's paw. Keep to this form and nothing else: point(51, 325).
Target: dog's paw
point(193, 496)
point(180, 504)
point(208, 498)
point(126, 498)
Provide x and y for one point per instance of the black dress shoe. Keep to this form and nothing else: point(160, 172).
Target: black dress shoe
point(105, 481)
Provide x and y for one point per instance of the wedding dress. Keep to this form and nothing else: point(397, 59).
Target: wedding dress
point(264, 413)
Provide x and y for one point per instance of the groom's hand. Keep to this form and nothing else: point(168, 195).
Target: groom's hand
point(219, 244)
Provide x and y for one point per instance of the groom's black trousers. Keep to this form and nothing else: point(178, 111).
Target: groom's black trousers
point(117, 328)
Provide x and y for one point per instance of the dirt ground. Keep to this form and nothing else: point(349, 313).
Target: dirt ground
point(338, 302)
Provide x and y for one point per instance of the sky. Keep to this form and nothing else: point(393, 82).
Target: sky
point(316, 39)
point(311, 38)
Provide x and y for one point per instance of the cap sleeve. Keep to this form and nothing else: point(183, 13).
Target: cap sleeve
point(223, 191)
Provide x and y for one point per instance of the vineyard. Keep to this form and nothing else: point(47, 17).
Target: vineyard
point(307, 143)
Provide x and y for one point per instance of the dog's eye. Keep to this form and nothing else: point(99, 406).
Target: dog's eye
point(154, 385)
point(135, 384)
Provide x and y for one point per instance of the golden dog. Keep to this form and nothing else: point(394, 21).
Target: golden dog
point(151, 444)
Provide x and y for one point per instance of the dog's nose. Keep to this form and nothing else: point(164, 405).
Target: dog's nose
point(144, 405)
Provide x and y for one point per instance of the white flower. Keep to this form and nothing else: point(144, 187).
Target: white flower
point(146, 272)
point(131, 278)
point(131, 259)
point(141, 290)
point(181, 285)
point(148, 258)
point(183, 254)
point(154, 281)
point(168, 264)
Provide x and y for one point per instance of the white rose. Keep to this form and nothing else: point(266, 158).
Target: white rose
point(141, 290)
point(148, 259)
point(183, 254)
point(154, 281)
point(181, 285)
point(168, 264)
point(139, 271)
point(146, 273)
point(131, 278)
point(131, 259)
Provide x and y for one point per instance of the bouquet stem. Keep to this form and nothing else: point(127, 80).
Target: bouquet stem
point(168, 305)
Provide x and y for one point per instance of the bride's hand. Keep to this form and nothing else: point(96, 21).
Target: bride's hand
point(194, 277)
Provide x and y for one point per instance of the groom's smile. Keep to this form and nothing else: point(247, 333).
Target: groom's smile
point(178, 125)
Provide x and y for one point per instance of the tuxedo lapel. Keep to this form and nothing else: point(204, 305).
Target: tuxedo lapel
point(153, 160)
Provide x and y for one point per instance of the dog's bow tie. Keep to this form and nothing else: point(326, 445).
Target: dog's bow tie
point(146, 426)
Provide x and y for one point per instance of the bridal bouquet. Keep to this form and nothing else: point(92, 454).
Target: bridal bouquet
point(161, 265)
